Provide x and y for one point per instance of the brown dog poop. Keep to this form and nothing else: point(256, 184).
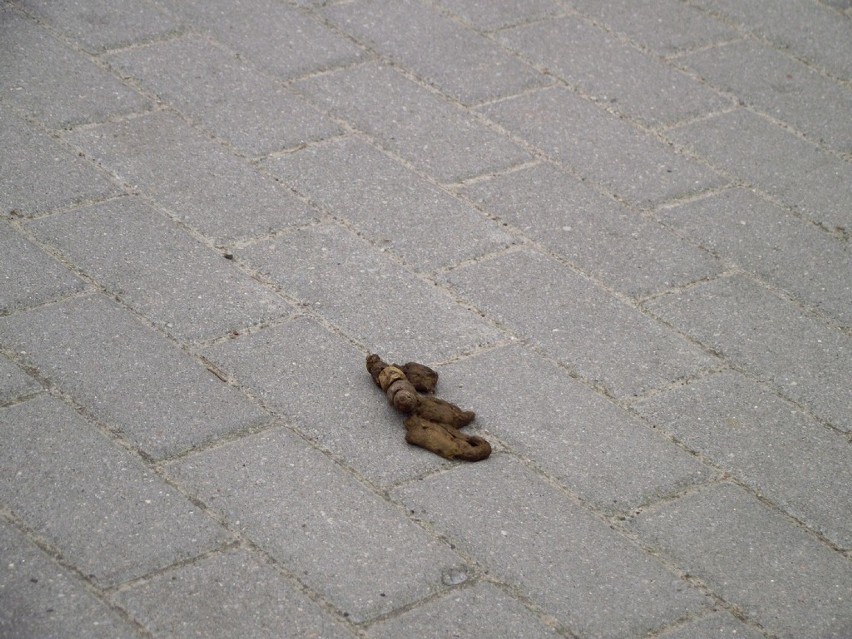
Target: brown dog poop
point(433, 423)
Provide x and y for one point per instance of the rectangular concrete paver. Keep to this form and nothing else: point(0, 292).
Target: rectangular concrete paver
point(632, 165)
point(61, 178)
point(811, 180)
point(784, 455)
point(230, 594)
point(336, 536)
point(496, 14)
point(14, 382)
point(593, 333)
point(598, 450)
point(432, 133)
point(40, 598)
point(773, 338)
point(334, 272)
point(781, 87)
point(633, 83)
point(599, 235)
point(663, 26)
point(533, 536)
point(757, 559)
point(129, 376)
point(219, 194)
point(481, 610)
point(346, 413)
point(766, 240)
point(103, 24)
point(36, 67)
point(29, 276)
point(392, 205)
point(230, 98)
point(462, 63)
point(275, 36)
point(137, 253)
point(100, 506)
point(718, 624)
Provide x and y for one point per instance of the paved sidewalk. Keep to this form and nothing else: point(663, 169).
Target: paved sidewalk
point(620, 231)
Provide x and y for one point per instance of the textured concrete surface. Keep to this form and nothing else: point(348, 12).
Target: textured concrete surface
point(620, 231)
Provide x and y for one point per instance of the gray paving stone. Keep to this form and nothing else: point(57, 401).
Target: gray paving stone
point(780, 86)
point(598, 450)
point(236, 102)
point(229, 595)
point(41, 599)
point(137, 253)
point(219, 194)
point(367, 295)
point(590, 331)
point(37, 174)
point(37, 68)
point(770, 337)
point(128, 375)
point(335, 535)
point(602, 147)
point(481, 610)
point(627, 251)
point(103, 24)
point(569, 562)
point(765, 442)
point(664, 26)
point(274, 35)
point(345, 414)
point(766, 240)
point(633, 83)
point(796, 172)
point(825, 42)
point(757, 559)
point(715, 626)
point(393, 206)
point(434, 134)
point(14, 382)
point(496, 14)
point(463, 64)
point(105, 511)
point(28, 276)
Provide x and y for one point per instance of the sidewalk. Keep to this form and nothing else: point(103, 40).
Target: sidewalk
point(619, 230)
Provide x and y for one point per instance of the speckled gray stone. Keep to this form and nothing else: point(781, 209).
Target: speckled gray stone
point(37, 174)
point(219, 194)
point(757, 559)
point(187, 289)
point(590, 331)
point(42, 599)
point(128, 375)
point(326, 528)
point(463, 64)
point(774, 339)
point(599, 146)
point(28, 276)
point(526, 531)
point(633, 83)
point(795, 171)
point(106, 512)
point(394, 206)
point(14, 382)
point(228, 595)
point(337, 273)
point(432, 133)
point(603, 238)
point(719, 625)
point(36, 67)
point(768, 241)
point(251, 110)
point(495, 14)
point(601, 452)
